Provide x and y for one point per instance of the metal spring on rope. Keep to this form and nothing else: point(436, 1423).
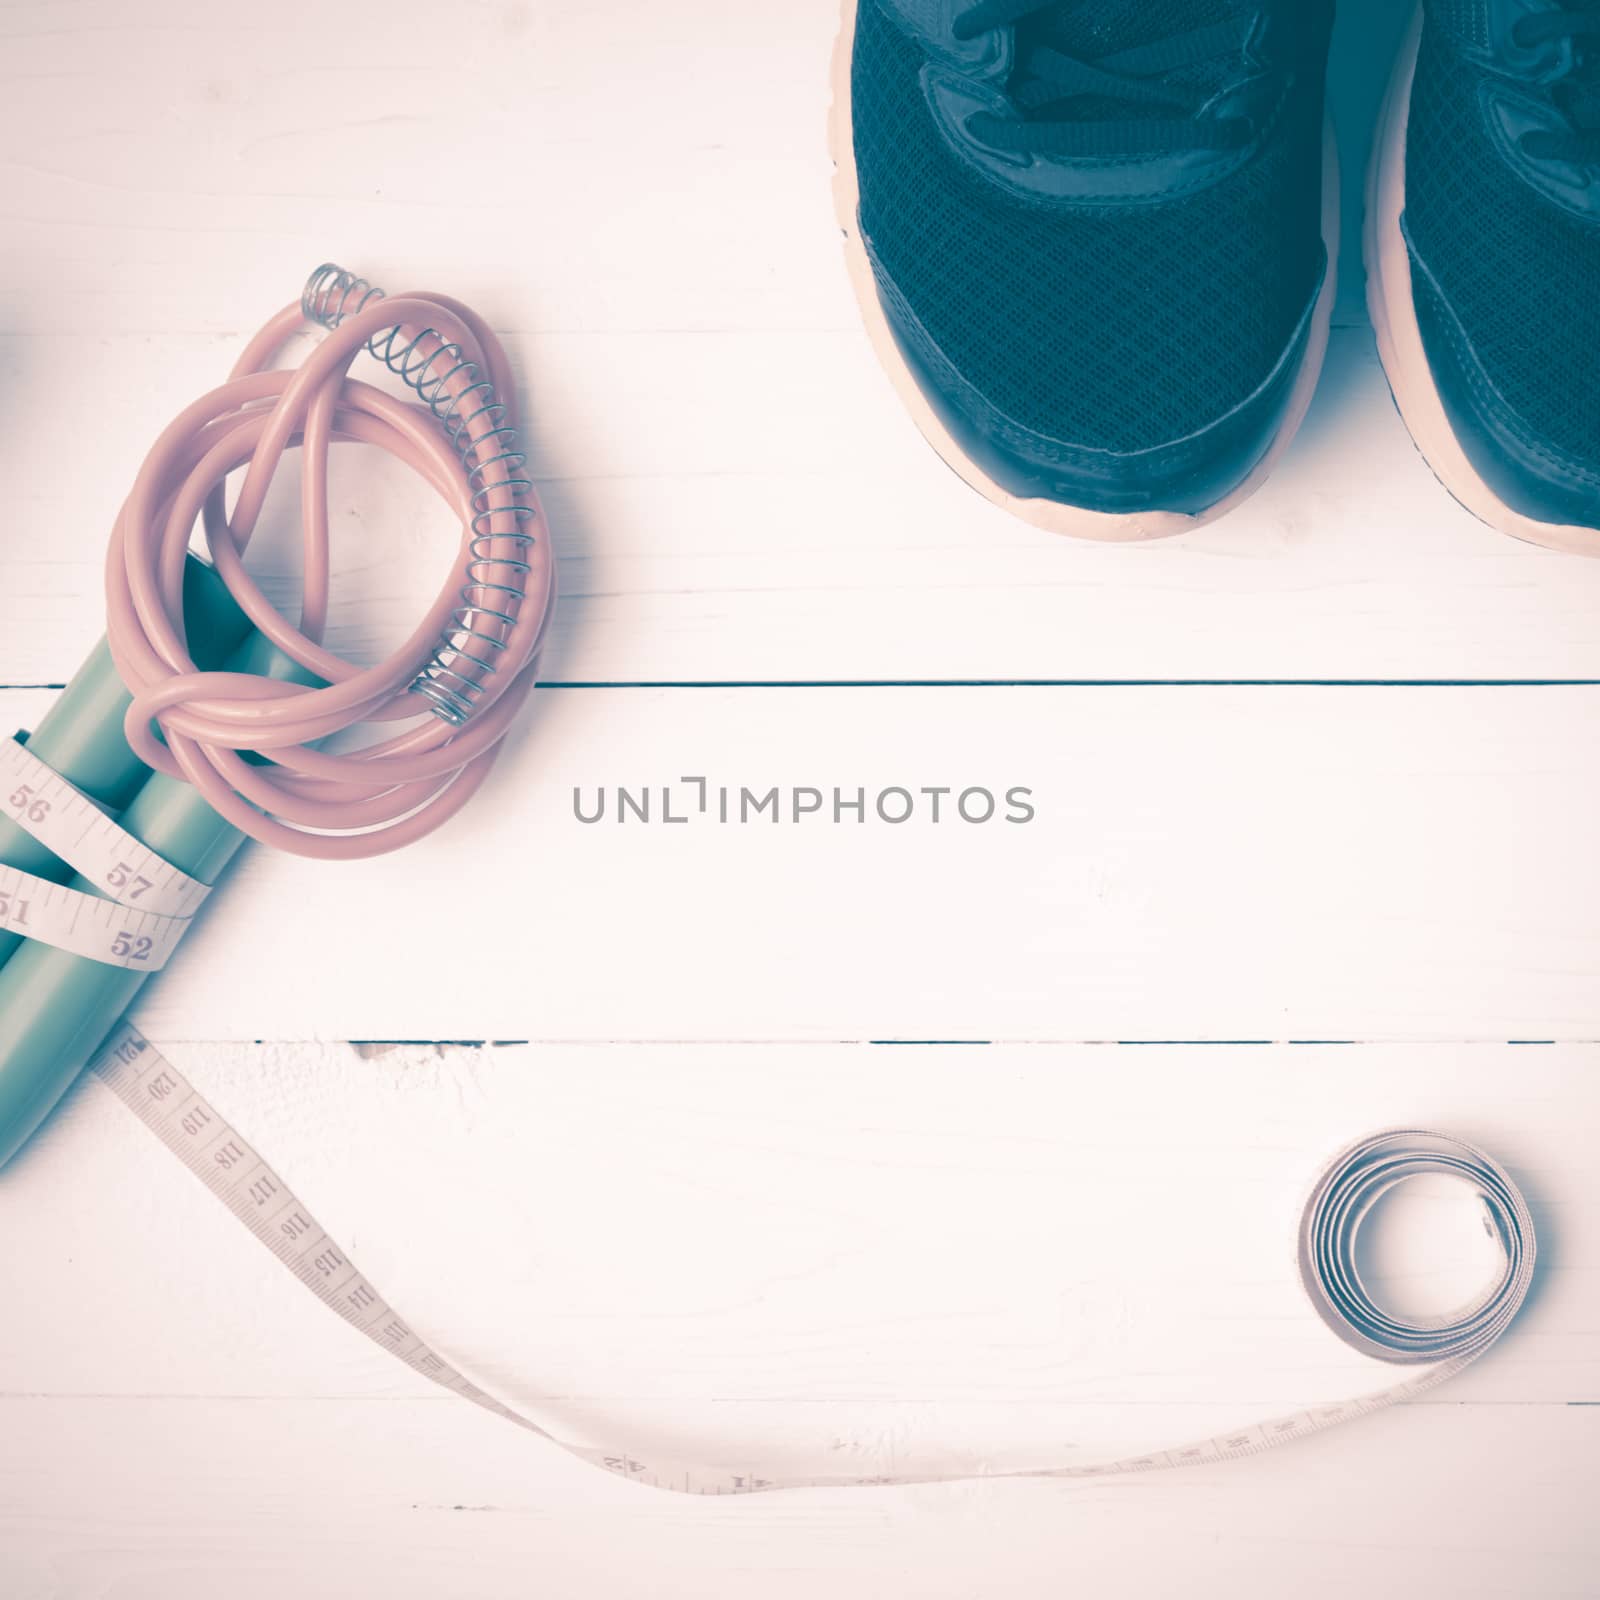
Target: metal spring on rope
point(464, 402)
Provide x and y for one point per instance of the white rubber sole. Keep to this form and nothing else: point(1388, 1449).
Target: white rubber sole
point(1051, 515)
point(1394, 317)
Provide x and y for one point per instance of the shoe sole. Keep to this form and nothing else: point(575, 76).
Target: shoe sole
point(1052, 515)
point(1400, 348)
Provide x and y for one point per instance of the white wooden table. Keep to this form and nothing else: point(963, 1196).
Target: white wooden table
point(1313, 854)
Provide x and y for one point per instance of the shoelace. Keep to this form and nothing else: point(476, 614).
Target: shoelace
point(1162, 115)
point(1579, 95)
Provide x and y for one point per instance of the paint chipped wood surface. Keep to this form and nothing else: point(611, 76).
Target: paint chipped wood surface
point(1322, 772)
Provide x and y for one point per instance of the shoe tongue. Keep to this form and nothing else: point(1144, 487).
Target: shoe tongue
point(1092, 29)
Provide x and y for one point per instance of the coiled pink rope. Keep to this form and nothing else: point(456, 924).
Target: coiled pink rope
point(388, 793)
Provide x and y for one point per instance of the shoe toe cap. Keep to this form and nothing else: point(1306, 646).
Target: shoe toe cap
point(1527, 470)
point(1188, 475)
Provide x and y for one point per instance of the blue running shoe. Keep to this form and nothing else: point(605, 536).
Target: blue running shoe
point(1483, 258)
point(1093, 241)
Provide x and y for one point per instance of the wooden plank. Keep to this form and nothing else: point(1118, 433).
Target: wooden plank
point(1016, 1228)
point(238, 156)
point(1262, 863)
point(690, 1238)
point(976, 1241)
point(412, 1499)
point(703, 537)
point(735, 492)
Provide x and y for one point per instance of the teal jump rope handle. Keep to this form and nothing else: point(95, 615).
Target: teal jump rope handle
point(56, 1009)
point(81, 738)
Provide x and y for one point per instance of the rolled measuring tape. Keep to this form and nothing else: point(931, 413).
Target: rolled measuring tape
point(1428, 1352)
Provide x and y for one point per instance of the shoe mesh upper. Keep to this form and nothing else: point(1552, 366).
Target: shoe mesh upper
point(1122, 327)
point(1520, 273)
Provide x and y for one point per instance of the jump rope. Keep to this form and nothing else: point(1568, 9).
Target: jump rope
point(201, 718)
point(205, 717)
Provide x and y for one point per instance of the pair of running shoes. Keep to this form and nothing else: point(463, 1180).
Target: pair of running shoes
point(1095, 244)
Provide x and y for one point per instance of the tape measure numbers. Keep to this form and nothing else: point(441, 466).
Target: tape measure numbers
point(145, 904)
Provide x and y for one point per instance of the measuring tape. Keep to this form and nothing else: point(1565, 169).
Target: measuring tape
point(144, 906)
point(148, 911)
point(248, 1186)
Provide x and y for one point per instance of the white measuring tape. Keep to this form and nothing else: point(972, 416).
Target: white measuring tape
point(152, 901)
point(144, 905)
point(203, 1139)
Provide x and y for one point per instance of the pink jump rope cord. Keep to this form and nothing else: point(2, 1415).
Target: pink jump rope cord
point(481, 634)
